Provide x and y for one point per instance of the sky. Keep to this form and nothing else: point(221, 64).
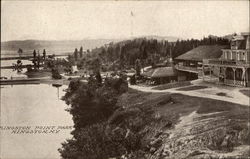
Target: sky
point(76, 20)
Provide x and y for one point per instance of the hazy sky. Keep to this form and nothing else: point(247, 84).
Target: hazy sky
point(73, 20)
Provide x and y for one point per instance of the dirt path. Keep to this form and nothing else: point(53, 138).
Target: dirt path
point(234, 96)
point(188, 138)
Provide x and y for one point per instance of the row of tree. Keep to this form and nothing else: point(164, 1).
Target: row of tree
point(78, 54)
point(127, 52)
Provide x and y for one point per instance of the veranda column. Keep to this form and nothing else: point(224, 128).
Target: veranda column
point(243, 76)
point(246, 77)
point(234, 74)
point(203, 72)
point(210, 69)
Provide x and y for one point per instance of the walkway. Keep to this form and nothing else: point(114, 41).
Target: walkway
point(232, 93)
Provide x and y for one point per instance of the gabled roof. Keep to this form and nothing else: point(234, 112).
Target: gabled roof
point(159, 72)
point(163, 72)
point(237, 37)
point(202, 52)
point(148, 73)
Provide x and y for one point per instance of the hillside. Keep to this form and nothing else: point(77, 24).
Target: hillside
point(149, 125)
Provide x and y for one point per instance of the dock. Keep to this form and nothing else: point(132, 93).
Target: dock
point(20, 81)
point(28, 57)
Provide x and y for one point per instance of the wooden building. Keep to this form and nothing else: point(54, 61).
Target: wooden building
point(160, 75)
point(234, 63)
point(189, 65)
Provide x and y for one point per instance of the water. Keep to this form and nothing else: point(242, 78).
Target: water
point(10, 72)
point(33, 105)
point(10, 62)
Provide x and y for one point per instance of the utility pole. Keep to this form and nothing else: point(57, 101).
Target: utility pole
point(131, 23)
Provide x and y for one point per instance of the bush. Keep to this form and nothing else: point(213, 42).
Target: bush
point(92, 142)
point(172, 85)
point(93, 101)
point(56, 74)
point(103, 128)
point(132, 80)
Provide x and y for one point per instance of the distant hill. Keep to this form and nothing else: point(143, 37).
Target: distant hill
point(161, 38)
point(53, 47)
point(59, 47)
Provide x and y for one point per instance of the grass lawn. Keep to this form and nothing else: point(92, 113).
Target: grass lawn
point(180, 104)
point(172, 85)
point(191, 88)
point(151, 113)
point(245, 92)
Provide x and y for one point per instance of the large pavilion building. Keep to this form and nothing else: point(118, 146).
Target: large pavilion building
point(229, 65)
point(189, 65)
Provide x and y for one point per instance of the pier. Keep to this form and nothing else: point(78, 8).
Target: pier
point(28, 57)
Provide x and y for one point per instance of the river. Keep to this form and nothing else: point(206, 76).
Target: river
point(33, 105)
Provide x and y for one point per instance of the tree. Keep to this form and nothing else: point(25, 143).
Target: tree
point(20, 52)
point(76, 54)
point(93, 102)
point(55, 73)
point(94, 65)
point(138, 67)
point(98, 77)
point(18, 66)
point(38, 61)
point(81, 52)
point(132, 80)
point(34, 54)
point(44, 54)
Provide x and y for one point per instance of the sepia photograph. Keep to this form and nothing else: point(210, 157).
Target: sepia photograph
point(122, 79)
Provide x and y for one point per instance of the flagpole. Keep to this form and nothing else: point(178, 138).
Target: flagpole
point(131, 24)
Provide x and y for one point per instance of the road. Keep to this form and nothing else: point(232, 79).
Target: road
point(233, 94)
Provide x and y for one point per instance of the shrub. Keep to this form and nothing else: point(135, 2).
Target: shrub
point(55, 74)
point(92, 142)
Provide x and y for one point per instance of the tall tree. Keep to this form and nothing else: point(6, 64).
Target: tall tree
point(81, 52)
point(20, 52)
point(44, 54)
point(76, 54)
point(34, 54)
point(38, 60)
point(138, 67)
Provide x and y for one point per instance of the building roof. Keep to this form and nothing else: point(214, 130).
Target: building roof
point(202, 52)
point(148, 73)
point(245, 33)
point(237, 37)
point(163, 72)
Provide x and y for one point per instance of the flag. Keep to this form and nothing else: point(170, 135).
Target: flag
point(132, 14)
